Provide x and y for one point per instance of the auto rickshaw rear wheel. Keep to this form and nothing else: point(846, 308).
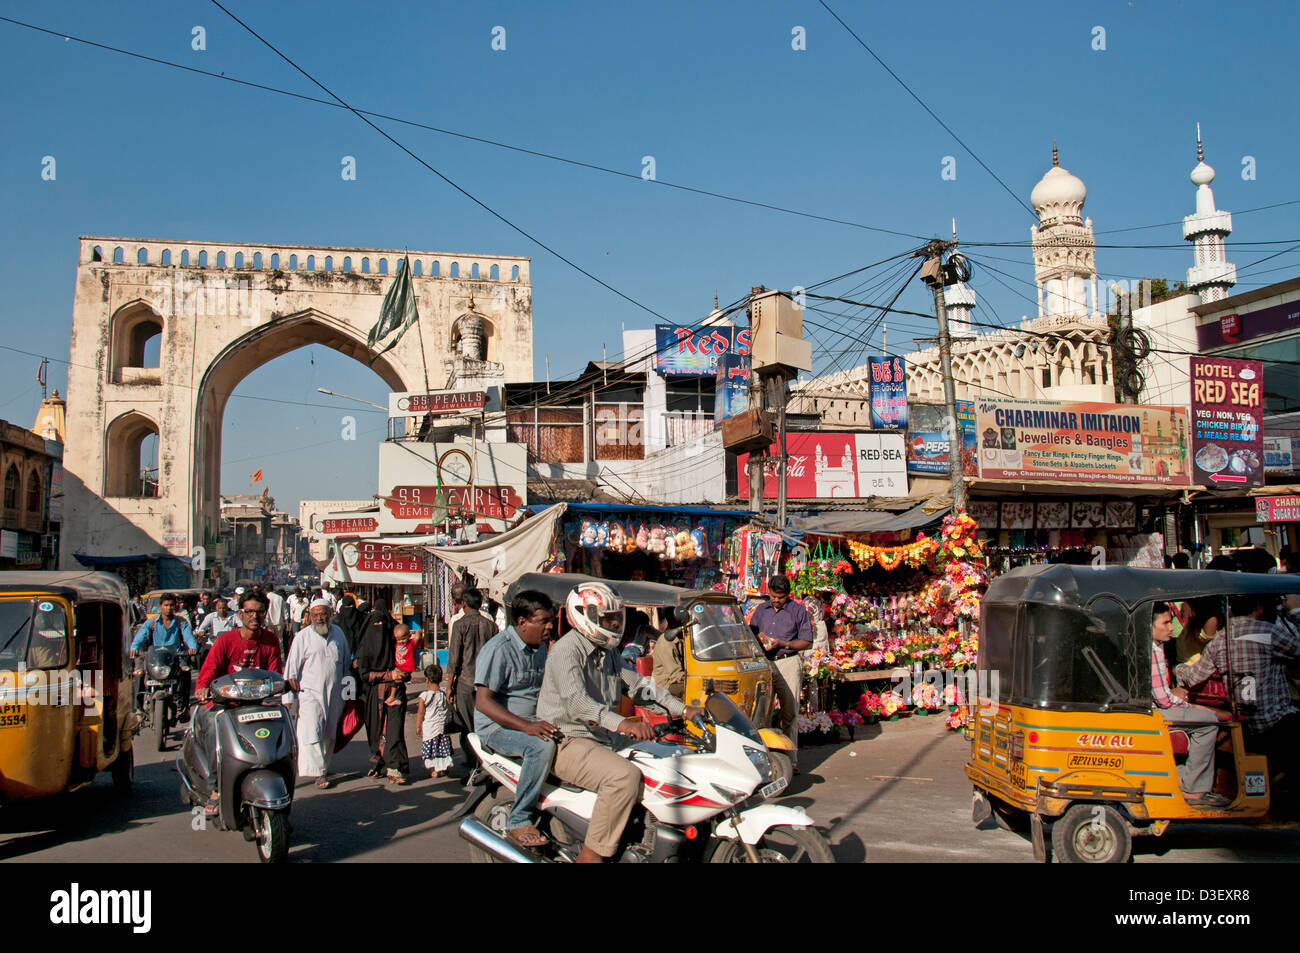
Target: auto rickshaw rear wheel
point(1091, 834)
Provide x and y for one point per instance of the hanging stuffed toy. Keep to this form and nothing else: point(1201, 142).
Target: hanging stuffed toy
point(643, 539)
point(657, 544)
point(602, 534)
point(588, 537)
point(617, 537)
point(698, 542)
point(685, 545)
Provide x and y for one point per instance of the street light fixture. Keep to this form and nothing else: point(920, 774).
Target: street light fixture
point(331, 393)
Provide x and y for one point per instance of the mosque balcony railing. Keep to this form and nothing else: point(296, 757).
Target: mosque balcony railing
point(290, 259)
point(1220, 222)
point(1211, 272)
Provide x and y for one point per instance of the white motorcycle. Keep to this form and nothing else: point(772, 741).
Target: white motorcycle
point(703, 800)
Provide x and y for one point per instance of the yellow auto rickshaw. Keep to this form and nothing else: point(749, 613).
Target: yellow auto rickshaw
point(1065, 740)
point(65, 683)
point(720, 652)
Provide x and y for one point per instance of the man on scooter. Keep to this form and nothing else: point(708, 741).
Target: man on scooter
point(584, 680)
point(170, 631)
point(249, 646)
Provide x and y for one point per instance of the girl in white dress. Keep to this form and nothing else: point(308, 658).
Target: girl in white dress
point(435, 746)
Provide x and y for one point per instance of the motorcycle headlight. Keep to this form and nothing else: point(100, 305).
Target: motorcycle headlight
point(159, 672)
point(762, 762)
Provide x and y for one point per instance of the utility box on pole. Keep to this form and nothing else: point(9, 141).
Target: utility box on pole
point(776, 335)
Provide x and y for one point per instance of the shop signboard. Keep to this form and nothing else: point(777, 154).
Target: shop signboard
point(927, 438)
point(28, 550)
point(441, 403)
point(1277, 509)
point(732, 390)
point(375, 562)
point(1235, 328)
point(695, 352)
point(8, 544)
point(1089, 442)
point(1279, 455)
point(423, 484)
point(888, 393)
point(344, 524)
point(178, 544)
point(1227, 419)
point(56, 493)
point(831, 465)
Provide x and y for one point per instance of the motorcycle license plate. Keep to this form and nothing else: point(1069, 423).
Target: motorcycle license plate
point(150, 683)
point(260, 716)
point(776, 787)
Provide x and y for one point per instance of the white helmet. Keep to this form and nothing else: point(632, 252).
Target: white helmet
point(595, 610)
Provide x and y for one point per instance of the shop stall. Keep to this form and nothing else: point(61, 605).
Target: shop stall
point(682, 546)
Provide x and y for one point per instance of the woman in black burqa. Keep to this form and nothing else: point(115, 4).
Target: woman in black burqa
point(385, 725)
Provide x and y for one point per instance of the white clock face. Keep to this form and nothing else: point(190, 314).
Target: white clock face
point(455, 468)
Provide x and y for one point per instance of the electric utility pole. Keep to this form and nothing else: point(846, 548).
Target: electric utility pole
point(938, 276)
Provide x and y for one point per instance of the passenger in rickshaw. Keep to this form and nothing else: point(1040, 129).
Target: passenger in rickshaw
point(669, 655)
point(1201, 725)
point(1255, 652)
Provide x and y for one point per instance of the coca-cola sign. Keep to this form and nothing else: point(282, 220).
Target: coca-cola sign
point(831, 465)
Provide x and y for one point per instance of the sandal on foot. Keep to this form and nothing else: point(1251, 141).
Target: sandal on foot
point(324, 783)
point(397, 778)
point(372, 773)
point(213, 807)
point(528, 836)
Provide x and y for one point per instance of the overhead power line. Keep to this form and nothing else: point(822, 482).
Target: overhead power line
point(933, 114)
point(496, 143)
point(469, 195)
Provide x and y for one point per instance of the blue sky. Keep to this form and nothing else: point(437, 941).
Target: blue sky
point(714, 92)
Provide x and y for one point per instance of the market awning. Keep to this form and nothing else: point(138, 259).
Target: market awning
point(643, 508)
point(501, 560)
point(862, 520)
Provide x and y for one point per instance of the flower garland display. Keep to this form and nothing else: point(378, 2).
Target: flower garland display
point(891, 557)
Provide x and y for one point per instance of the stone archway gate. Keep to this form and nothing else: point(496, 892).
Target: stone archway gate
point(223, 311)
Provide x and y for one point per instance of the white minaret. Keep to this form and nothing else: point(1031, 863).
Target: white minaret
point(1212, 275)
point(959, 302)
point(1064, 249)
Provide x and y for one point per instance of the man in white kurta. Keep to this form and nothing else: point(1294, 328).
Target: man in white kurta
point(318, 661)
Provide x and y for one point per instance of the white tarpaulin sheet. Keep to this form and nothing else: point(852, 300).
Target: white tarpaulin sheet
point(499, 561)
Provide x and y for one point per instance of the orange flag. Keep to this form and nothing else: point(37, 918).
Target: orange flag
point(257, 477)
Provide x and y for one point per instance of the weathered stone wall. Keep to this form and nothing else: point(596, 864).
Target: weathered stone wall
point(224, 311)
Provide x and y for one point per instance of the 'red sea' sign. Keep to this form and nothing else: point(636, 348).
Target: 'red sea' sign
point(1227, 414)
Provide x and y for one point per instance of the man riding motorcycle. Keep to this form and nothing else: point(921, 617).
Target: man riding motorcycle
point(168, 630)
point(584, 680)
point(249, 646)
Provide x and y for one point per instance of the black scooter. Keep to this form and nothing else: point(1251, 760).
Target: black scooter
point(163, 701)
point(255, 757)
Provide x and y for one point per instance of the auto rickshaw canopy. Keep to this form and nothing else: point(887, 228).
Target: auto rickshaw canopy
point(73, 586)
point(1063, 637)
point(557, 587)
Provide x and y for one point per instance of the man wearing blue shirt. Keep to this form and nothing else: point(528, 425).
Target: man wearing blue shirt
point(170, 631)
point(785, 630)
point(507, 680)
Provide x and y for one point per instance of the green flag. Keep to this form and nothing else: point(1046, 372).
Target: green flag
point(398, 311)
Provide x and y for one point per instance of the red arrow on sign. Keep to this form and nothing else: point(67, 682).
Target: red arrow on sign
point(1227, 478)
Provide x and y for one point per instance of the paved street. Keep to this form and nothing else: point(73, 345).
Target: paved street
point(897, 795)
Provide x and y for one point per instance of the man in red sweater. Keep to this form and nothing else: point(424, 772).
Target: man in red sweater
point(249, 646)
